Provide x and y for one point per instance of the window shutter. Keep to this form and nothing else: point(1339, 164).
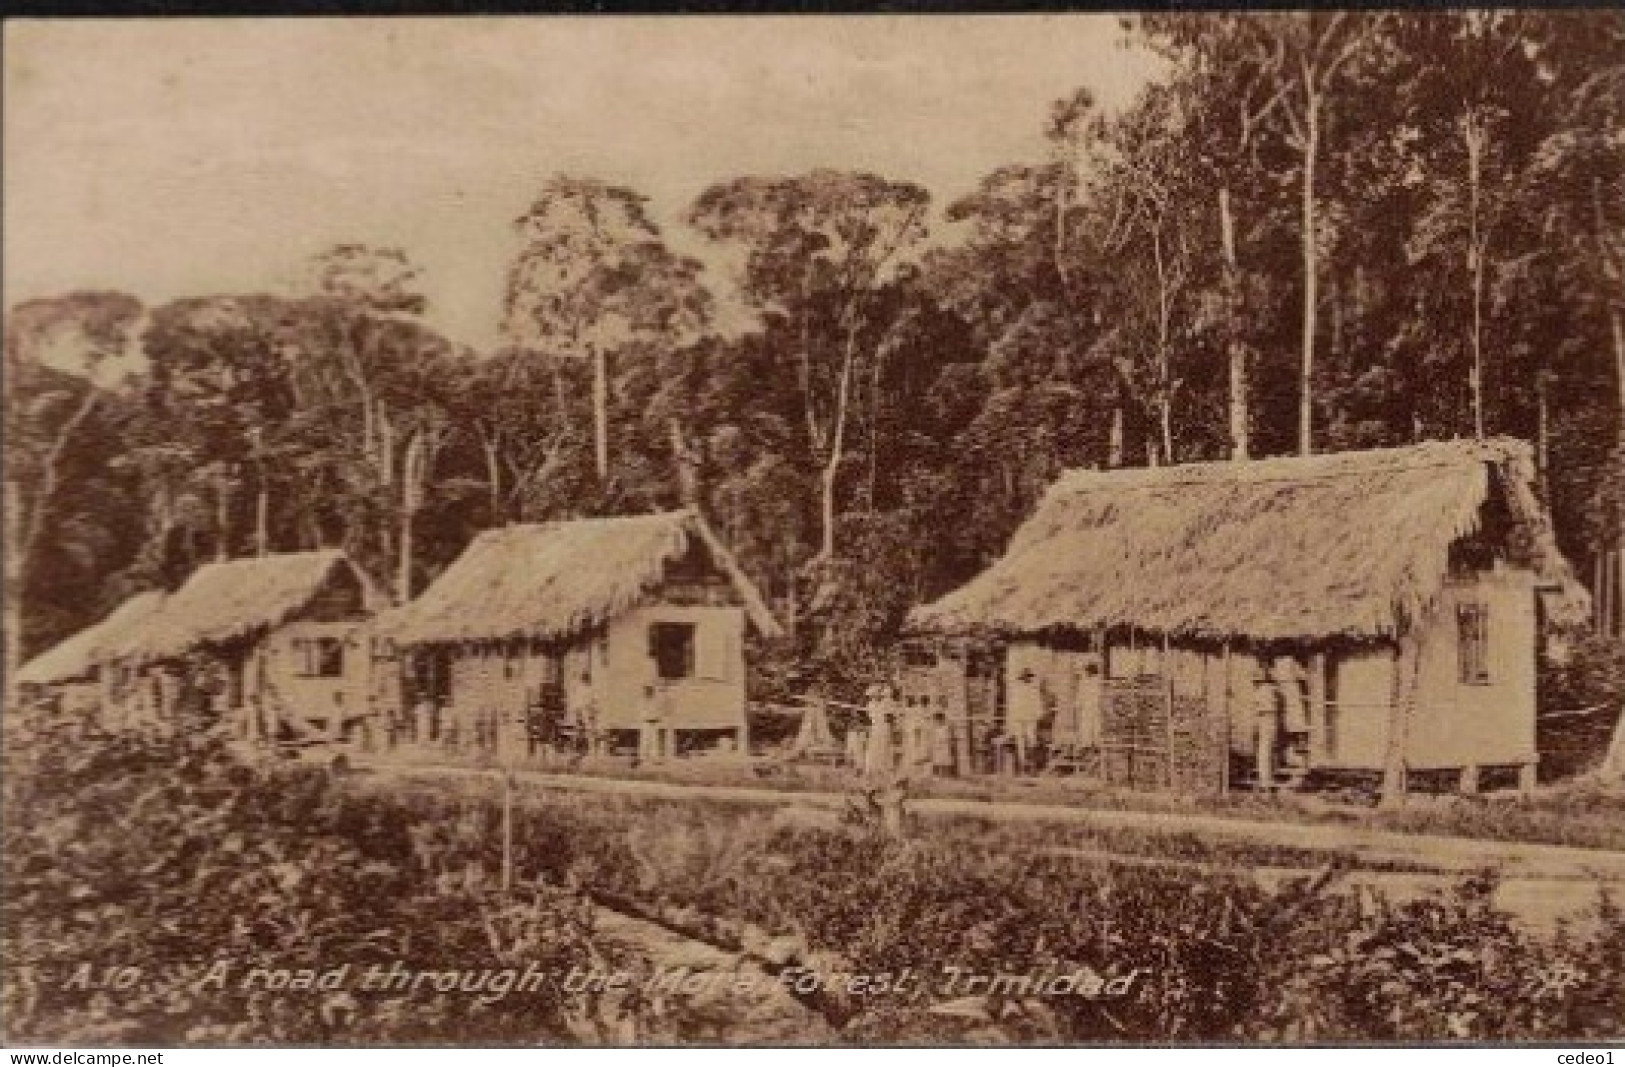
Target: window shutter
point(713, 649)
point(1472, 643)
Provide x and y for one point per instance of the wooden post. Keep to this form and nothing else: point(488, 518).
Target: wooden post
point(1395, 771)
point(507, 831)
point(1168, 709)
point(1317, 709)
point(1468, 785)
point(1228, 720)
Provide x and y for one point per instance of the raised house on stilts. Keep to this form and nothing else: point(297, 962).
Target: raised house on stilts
point(77, 675)
point(578, 636)
point(279, 645)
point(1200, 626)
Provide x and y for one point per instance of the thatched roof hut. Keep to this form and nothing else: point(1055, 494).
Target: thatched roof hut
point(552, 580)
point(1348, 545)
point(78, 656)
point(240, 599)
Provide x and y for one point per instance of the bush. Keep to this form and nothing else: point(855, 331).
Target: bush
point(1220, 958)
point(1590, 680)
point(163, 857)
point(135, 864)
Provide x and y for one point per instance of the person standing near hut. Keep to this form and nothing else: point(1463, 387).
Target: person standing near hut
point(1026, 714)
point(1290, 678)
point(857, 742)
point(877, 753)
point(653, 740)
point(916, 731)
point(1267, 726)
point(942, 746)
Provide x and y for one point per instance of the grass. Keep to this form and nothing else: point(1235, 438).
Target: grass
point(1224, 955)
point(1101, 844)
point(1577, 813)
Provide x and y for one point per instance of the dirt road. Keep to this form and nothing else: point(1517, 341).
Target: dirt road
point(1540, 883)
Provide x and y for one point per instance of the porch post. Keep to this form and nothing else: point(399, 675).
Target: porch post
point(1317, 709)
point(1468, 784)
point(1401, 707)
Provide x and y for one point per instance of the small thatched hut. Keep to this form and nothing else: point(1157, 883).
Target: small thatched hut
point(1374, 610)
point(72, 673)
point(278, 642)
point(587, 632)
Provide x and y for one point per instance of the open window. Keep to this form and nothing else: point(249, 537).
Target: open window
point(321, 657)
point(671, 646)
point(1473, 644)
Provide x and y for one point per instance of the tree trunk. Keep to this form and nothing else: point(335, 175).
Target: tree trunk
point(493, 481)
point(262, 519)
point(1619, 368)
point(600, 412)
point(23, 535)
point(1114, 437)
point(1311, 278)
point(1165, 355)
point(414, 477)
point(1473, 134)
point(686, 462)
point(826, 508)
point(14, 571)
point(222, 521)
point(403, 580)
point(1598, 596)
point(837, 448)
point(1240, 423)
point(1543, 433)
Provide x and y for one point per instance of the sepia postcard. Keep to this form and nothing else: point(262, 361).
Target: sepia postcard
point(1036, 529)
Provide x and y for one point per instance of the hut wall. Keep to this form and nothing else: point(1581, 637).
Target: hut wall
point(1228, 688)
point(80, 698)
point(291, 676)
point(711, 697)
point(142, 696)
point(488, 696)
point(1357, 715)
point(1462, 722)
point(936, 677)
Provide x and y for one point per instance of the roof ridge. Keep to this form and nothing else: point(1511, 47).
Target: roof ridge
point(1427, 455)
point(1197, 479)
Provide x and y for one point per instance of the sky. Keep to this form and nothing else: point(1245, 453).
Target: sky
point(176, 158)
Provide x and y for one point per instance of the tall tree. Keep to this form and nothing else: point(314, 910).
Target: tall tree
point(593, 276)
point(818, 250)
point(1474, 98)
point(60, 354)
point(1314, 53)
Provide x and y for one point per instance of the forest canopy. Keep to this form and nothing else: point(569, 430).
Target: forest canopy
point(1312, 232)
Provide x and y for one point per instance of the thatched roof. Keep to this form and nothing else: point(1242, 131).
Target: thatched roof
point(239, 598)
point(78, 656)
point(1353, 544)
point(552, 580)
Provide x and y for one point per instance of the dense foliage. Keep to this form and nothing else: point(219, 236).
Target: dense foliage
point(136, 865)
point(1220, 958)
point(1320, 231)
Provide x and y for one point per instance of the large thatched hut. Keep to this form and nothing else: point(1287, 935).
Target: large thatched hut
point(278, 643)
point(1362, 611)
point(72, 673)
point(584, 633)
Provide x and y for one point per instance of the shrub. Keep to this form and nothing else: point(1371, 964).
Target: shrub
point(135, 864)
